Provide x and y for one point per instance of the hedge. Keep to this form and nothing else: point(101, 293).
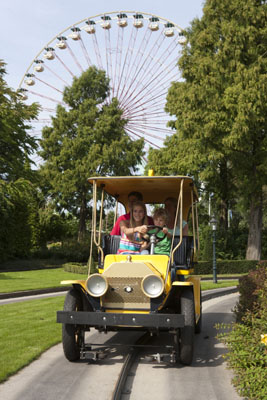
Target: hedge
point(78, 268)
point(227, 266)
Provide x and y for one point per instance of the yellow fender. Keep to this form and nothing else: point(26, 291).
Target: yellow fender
point(74, 282)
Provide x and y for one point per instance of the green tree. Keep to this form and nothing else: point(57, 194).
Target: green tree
point(18, 196)
point(220, 109)
point(87, 138)
point(16, 143)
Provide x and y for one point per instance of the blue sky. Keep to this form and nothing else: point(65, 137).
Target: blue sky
point(27, 25)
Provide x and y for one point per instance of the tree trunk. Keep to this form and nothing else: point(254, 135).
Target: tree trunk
point(82, 221)
point(255, 229)
point(224, 194)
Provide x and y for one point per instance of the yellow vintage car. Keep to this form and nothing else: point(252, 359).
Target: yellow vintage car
point(153, 292)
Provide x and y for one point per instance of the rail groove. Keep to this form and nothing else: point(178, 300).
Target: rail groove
point(127, 365)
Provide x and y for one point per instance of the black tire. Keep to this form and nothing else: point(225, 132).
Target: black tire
point(198, 327)
point(71, 334)
point(187, 332)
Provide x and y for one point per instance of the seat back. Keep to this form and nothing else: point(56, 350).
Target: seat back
point(110, 244)
point(182, 256)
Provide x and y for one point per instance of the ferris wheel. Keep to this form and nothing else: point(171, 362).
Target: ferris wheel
point(139, 53)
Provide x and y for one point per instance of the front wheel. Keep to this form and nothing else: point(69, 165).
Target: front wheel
point(187, 332)
point(71, 334)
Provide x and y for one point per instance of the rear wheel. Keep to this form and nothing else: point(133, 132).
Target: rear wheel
point(72, 334)
point(187, 332)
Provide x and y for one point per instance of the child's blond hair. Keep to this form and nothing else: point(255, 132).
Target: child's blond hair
point(161, 212)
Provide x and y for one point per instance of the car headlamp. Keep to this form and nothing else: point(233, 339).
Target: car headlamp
point(96, 285)
point(152, 285)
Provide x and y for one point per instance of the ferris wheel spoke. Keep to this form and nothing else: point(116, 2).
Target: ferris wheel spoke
point(134, 132)
point(154, 92)
point(48, 84)
point(43, 120)
point(118, 60)
point(85, 52)
point(64, 65)
point(56, 75)
point(143, 115)
point(152, 85)
point(108, 55)
point(46, 97)
point(123, 66)
point(136, 114)
point(143, 128)
point(74, 57)
point(132, 73)
point(154, 74)
point(147, 121)
point(97, 51)
point(127, 61)
point(52, 110)
point(140, 65)
point(154, 99)
point(145, 69)
point(153, 128)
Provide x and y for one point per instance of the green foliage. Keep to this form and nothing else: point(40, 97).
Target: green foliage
point(19, 230)
point(225, 266)
point(77, 268)
point(55, 226)
point(247, 354)
point(80, 268)
point(69, 250)
point(230, 244)
point(220, 109)
point(87, 139)
point(16, 144)
point(249, 288)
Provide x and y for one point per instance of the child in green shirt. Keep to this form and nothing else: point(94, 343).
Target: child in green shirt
point(160, 218)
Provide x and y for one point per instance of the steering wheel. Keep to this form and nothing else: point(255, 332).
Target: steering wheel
point(158, 229)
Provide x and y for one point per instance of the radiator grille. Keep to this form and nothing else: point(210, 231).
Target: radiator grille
point(117, 297)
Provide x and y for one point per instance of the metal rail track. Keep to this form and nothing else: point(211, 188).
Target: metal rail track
point(127, 365)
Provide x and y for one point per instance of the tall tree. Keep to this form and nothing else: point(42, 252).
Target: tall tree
point(18, 197)
point(86, 139)
point(220, 106)
point(16, 143)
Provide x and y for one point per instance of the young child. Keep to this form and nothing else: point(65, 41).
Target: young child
point(160, 218)
point(131, 241)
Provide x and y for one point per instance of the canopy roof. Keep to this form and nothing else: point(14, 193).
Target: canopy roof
point(155, 189)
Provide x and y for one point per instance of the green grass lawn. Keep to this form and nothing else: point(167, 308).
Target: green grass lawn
point(27, 330)
point(220, 284)
point(37, 279)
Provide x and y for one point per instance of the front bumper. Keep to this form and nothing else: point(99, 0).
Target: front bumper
point(102, 319)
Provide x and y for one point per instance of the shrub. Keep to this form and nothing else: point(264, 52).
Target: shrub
point(247, 354)
point(226, 266)
point(230, 244)
point(79, 268)
point(249, 289)
point(70, 250)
